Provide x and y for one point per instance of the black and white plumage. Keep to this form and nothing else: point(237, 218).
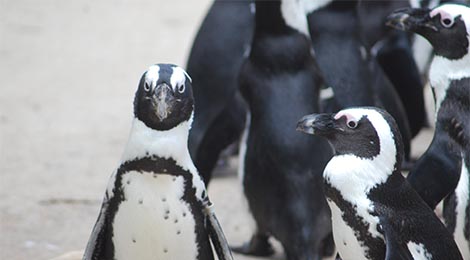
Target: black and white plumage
point(447, 28)
point(280, 168)
point(156, 204)
point(376, 214)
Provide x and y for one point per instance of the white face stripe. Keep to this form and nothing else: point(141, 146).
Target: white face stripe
point(452, 11)
point(178, 77)
point(310, 6)
point(152, 76)
point(294, 15)
point(354, 177)
point(443, 70)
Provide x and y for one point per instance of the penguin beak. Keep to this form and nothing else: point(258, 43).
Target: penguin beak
point(317, 124)
point(163, 99)
point(411, 19)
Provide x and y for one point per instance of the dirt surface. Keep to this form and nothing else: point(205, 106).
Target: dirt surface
point(68, 73)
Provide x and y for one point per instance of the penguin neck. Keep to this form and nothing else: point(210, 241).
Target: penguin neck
point(173, 143)
point(280, 17)
point(351, 174)
point(276, 45)
point(443, 71)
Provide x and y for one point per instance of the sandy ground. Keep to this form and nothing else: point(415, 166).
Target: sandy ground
point(68, 72)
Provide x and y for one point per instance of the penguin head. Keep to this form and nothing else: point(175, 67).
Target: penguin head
point(363, 132)
point(164, 98)
point(446, 27)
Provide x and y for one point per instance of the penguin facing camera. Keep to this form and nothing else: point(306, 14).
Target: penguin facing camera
point(156, 205)
point(376, 214)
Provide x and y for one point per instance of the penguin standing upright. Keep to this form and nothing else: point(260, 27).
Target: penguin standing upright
point(280, 168)
point(393, 51)
point(376, 214)
point(156, 205)
point(447, 28)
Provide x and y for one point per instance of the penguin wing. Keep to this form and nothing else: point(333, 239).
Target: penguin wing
point(96, 243)
point(217, 235)
point(396, 249)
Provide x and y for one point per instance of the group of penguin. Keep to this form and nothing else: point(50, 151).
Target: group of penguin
point(324, 113)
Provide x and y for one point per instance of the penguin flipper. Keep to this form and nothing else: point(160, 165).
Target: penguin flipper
point(217, 236)
point(96, 246)
point(395, 248)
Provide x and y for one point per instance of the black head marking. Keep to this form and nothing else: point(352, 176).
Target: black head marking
point(164, 98)
point(351, 131)
point(444, 27)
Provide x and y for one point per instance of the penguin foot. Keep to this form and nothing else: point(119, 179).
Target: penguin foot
point(257, 246)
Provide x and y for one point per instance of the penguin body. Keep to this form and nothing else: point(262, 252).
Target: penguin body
point(347, 64)
point(281, 180)
point(214, 63)
point(155, 206)
point(447, 28)
point(375, 213)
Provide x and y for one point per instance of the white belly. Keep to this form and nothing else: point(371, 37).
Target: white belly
point(154, 222)
point(346, 242)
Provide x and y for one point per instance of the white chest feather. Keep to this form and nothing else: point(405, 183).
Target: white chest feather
point(154, 222)
point(441, 73)
point(171, 144)
point(462, 192)
point(346, 242)
point(350, 176)
point(418, 251)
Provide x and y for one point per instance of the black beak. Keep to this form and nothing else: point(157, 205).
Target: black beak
point(411, 19)
point(317, 124)
point(163, 99)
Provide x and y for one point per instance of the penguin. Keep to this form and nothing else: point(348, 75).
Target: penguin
point(393, 52)
point(376, 214)
point(347, 64)
point(214, 62)
point(156, 205)
point(447, 28)
point(279, 167)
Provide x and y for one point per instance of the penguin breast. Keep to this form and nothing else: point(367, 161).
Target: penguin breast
point(153, 221)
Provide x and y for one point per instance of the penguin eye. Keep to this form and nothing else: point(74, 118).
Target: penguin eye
point(352, 124)
point(447, 22)
point(146, 86)
point(181, 88)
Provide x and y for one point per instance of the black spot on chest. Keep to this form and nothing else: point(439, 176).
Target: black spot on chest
point(374, 247)
point(154, 166)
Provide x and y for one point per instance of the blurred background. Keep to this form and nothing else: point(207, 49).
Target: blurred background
point(68, 73)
